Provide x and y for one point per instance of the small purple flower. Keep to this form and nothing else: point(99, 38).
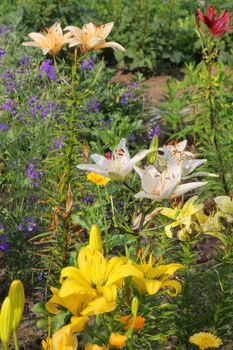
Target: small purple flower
point(20, 227)
point(129, 94)
point(4, 245)
point(47, 69)
point(93, 106)
point(31, 101)
point(50, 105)
point(2, 52)
point(8, 105)
point(8, 75)
point(40, 277)
point(5, 29)
point(31, 225)
point(25, 61)
point(132, 138)
point(33, 174)
point(87, 200)
point(87, 65)
point(59, 143)
point(3, 127)
point(44, 113)
point(154, 131)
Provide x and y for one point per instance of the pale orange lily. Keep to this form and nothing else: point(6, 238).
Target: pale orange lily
point(91, 37)
point(155, 278)
point(96, 275)
point(49, 41)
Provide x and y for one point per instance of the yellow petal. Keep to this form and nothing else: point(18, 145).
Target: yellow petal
point(174, 284)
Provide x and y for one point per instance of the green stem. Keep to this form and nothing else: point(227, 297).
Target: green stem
point(15, 340)
point(129, 188)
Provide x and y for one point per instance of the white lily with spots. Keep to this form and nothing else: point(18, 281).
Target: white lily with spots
point(118, 166)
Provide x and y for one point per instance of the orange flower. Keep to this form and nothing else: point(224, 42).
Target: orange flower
point(139, 323)
point(117, 340)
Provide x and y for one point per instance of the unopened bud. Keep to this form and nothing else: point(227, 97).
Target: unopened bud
point(16, 295)
point(6, 322)
point(152, 156)
point(95, 240)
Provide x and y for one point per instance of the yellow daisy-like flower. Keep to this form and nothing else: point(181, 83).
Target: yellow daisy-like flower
point(117, 340)
point(205, 340)
point(98, 179)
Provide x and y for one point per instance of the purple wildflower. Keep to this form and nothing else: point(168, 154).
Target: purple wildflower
point(4, 245)
point(2, 52)
point(8, 105)
point(93, 106)
point(33, 174)
point(59, 143)
point(3, 127)
point(5, 29)
point(154, 131)
point(129, 94)
point(8, 75)
point(87, 65)
point(47, 69)
point(31, 100)
point(20, 227)
point(31, 225)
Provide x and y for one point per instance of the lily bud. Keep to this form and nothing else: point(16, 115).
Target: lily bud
point(134, 306)
point(153, 150)
point(6, 322)
point(16, 295)
point(95, 240)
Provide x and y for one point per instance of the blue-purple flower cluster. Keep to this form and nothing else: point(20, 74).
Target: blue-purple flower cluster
point(130, 94)
point(87, 65)
point(48, 70)
point(34, 175)
point(154, 132)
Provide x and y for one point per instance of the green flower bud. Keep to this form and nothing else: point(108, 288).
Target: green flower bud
point(153, 150)
point(6, 322)
point(16, 295)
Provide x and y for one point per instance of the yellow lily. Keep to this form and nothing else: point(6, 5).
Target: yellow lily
point(63, 339)
point(49, 41)
point(81, 305)
point(155, 278)
point(96, 275)
point(225, 205)
point(211, 225)
point(91, 37)
point(182, 217)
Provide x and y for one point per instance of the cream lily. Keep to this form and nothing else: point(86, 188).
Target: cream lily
point(176, 154)
point(96, 275)
point(211, 225)
point(183, 217)
point(91, 37)
point(155, 278)
point(225, 205)
point(160, 186)
point(49, 41)
point(118, 167)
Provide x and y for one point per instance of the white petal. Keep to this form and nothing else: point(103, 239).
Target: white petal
point(181, 146)
point(114, 45)
point(200, 173)
point(101, 161)
point(143, 194)
point(189, 165)
point(104, 30)
point(181, 189)
point(92, 167)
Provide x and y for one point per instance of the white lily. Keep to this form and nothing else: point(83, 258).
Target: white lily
point(177, 154)
point(118, 167)
point(160, 186)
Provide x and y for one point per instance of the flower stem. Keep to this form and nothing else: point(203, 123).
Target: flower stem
point(15, 340)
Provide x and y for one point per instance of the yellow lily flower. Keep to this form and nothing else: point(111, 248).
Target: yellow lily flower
point(211, 225)
point(91, 37)
point(155, 278)
point(182, 217)
point(63, 339)
point(96, 275)
point(225, 205)
point(49, 41)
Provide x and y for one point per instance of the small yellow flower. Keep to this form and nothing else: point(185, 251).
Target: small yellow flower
point(99, 180)
point(127, 320)
point(205, 340)
point(117, 340)
point(49, 41)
